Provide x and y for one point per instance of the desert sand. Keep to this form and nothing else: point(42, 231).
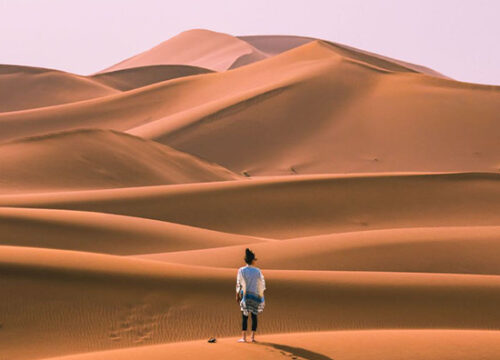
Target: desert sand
point(368, 187)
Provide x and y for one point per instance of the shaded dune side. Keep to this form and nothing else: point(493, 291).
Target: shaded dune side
point(91, 159)
point(327, 345)
point(24, 87)
point(472, 250)
point(130, 302)
point(267, 46)
point(133, 78)
point(293, 206)
point(105, 233)
point(275, 44)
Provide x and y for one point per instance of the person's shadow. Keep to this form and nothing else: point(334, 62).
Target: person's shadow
point(295, 352)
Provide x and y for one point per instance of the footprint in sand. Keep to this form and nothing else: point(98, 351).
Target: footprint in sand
point(135, 325)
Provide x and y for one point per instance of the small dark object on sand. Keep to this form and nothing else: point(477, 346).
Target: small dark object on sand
point(212, 340)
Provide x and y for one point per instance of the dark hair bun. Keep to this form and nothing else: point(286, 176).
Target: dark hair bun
point(249, 256)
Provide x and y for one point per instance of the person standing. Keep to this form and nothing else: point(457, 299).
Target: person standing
point(250, 286)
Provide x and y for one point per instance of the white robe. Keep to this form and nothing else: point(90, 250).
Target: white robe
point(250, 284)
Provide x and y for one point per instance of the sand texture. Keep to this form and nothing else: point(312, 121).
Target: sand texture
point(368, 187)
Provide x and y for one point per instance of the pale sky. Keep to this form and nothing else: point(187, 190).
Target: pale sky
point(459, 38)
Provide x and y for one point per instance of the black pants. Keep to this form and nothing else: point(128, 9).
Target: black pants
point(244, 323)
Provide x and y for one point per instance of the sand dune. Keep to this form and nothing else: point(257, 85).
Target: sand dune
point(348, 345)
point(207, 49)
point(106, 233)
point(340, 116)
point(274, 45)
point(133, 108)
point(293, 206)
point(101, 302)
point(471, 250)
point(133, 78)
point(93, 159)
point(25, 87)
point(219, 52)
point(369, 188)
point(383, 61)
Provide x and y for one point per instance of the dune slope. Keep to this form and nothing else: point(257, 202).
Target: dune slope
point(101, 302)
point(106, 233)
point(133, 78)
point(340, 116)
point(93, 159)
point(470, 250)
point(293, 206)
point(348, 345)
point(276, 44)
point(204, 48)
point(24, 87)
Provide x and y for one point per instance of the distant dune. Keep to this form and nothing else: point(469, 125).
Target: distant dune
point(26, 87)
point(133, 78)
point(340, 113)
point(369, 188)
point(207, 49)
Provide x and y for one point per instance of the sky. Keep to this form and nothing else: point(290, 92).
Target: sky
point(459, 38)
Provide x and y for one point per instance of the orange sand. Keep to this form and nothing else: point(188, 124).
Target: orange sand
point(368, 187)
